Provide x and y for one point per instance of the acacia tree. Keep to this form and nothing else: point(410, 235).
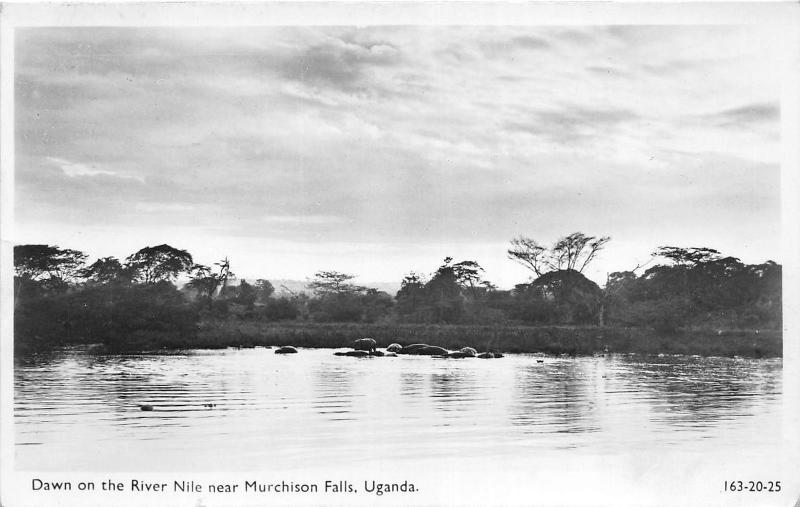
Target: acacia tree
point(573, 252)
point(56, 266)
point(691, 256)
point(206, 282)
point(159, 263)
point(327, 283)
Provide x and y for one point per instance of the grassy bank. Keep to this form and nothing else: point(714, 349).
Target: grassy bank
point(511, 339)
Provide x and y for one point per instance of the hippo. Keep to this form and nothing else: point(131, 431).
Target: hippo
point(377, 353)
point(490, 355)
point(288, 349)
point(367, 344)
point(353, 353)
point(422, 349)
point(469, 352)
point(412, 349)
point(394, 347)
point(458, 355)
point(146, 408)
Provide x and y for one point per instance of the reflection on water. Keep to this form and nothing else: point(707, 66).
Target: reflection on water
point(253, 409)
point(557, 397)
point(333, 393)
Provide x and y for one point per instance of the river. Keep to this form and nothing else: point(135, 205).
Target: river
point(251, 409)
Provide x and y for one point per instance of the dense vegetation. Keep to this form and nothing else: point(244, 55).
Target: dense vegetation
point(694, 301)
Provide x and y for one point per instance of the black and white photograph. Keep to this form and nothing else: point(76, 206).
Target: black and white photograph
point(400, 254)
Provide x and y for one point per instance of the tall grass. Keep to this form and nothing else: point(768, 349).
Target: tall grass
point(511, 339)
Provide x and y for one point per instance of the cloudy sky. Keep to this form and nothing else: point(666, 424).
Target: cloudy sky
point(378, 151)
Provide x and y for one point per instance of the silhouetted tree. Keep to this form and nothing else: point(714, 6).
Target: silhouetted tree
point(333, 282)
point(105, 270)
point(411, 294)
point(687, 256)
point(56, 268)
point(159, 263)
point(264, 289)
point(572, 252)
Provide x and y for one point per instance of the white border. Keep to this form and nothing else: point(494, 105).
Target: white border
point(784, 17)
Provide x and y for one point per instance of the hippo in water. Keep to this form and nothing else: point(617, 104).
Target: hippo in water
point(288, 349)
point(465, 352)
point(423, 349)
point(367, 344)
point(490, 355)
point(394, 347)
point(353, 353)
point(469, 352)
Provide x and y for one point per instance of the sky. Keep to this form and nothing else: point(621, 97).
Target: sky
point(377, 151)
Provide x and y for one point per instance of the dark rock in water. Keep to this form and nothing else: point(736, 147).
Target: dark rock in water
point(469, 352)
point(376, 353)
point(394, 347)
point(146, 408)
point(367, 344)
point(422, 349)
point(286, 350)
point(353, 353)
point(498, 355)
point(540, 360)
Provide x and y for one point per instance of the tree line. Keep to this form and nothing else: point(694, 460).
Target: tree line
point(59, 298)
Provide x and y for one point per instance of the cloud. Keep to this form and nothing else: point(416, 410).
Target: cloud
point(756, 113)
point(338, 63)
point(76, 170)
point(572, 123)
point(390, 135)
point(530, 42)
point(303, 219)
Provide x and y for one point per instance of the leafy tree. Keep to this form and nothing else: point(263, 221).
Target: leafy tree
point(333, 282)
point(560, 297)
point(159, 263)
point(264, 289)
point(377, 305)
point(468, 276)
point(687, 256)
point(50, 264)
point(699, 287)
point(281, 308)
point(411, 294)
point(246, 294)
point(206, 282)
point(444, 294)
point(104, 270)
point(576, 251)
point(572, 252)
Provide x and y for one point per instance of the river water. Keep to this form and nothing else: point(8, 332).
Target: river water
point(251, 409)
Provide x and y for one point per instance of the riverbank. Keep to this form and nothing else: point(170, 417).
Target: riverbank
point(554, 340)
